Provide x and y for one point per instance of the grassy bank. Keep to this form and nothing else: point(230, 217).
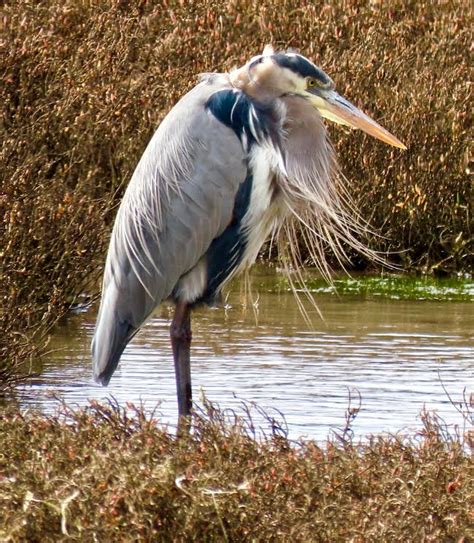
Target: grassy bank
point(86, 83)
point(104, 474)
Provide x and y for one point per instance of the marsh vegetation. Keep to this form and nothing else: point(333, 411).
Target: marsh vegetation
point(111, 474)
point(84, 85)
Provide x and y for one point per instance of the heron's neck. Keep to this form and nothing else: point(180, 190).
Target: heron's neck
point(258, 83)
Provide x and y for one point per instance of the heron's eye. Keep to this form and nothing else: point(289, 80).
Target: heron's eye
point(312, 82)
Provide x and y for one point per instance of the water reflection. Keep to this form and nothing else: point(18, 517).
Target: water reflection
point(393, 352)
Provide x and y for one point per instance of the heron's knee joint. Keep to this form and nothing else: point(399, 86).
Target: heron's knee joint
point(180, 332)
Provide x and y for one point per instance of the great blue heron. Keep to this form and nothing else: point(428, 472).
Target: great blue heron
point(241, 156)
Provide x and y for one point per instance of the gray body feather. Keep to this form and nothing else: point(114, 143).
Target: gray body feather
point(179, 199)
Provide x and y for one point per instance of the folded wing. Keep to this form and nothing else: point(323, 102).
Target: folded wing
point(180, 198)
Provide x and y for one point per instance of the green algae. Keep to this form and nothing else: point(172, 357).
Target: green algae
point(398, 287)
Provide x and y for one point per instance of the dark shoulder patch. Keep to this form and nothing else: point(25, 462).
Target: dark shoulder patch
point(246, 117)
point(231, 108)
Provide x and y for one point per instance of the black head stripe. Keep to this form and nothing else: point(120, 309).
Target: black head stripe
point(301, 66)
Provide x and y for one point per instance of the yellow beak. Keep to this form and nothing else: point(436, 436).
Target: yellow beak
point(334, 107)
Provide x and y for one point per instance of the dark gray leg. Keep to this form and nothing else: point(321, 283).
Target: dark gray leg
point(180, 332)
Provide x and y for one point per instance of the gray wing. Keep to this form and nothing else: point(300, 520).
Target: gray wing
point(180, 198)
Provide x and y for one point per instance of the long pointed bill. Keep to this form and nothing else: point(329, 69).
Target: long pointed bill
point(337, 109)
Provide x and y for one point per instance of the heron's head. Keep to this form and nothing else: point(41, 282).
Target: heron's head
point(272, 75)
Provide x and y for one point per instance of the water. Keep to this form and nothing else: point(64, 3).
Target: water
point(397, 354)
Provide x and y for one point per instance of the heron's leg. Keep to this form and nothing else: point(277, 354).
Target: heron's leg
point(180, 332)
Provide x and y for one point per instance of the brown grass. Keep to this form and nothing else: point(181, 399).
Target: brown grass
point(85, 83)
point(107, 474)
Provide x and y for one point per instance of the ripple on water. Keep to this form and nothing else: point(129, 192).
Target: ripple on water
point(394, 353)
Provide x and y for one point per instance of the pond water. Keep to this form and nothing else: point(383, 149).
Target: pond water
point(397, 354)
